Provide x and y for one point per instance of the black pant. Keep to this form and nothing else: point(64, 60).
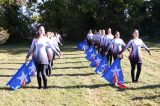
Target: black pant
point(89, 42)
point(133, 66)
point(49, 68)
point(103, 51)
point(109, 57)
point(41, 71)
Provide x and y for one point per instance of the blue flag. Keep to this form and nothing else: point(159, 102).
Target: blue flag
point(96, 61)
point(103, 66)
point(20, 79)
point(82, 46)
point(89, 50)
point(91, 56)
point(114, 70)
point(31, 68)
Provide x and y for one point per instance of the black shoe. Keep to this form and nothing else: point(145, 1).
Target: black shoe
point(136, 81)
point(39, 87)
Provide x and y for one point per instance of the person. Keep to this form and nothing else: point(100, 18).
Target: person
point(89, 38)
point(108, 38)
point(50, 53)
point(116, 45)
point(59, 38)
point(97, 38)
point(135, 56)
point(102, 42)
point(38, 46)
point(95, 34)
point(55, 42)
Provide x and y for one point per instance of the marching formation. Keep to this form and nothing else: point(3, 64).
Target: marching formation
point(44, 47)
point(100, 48)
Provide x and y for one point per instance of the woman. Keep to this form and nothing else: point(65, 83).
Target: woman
point(135, 56)
point(59, 39)
point(39, 45)
point(49, 54)
point(102, 43)
point(108, 38)
point(116, 45)
point(90, 38)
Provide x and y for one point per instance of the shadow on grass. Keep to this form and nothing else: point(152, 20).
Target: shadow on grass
point(72, 62)
point(6, 75)
point(8, 69)
point(146, 87)
point(67, 54)
point(10, 63)
point(88, 74)
point(146, 97)
point(61, 87)
point(79, 67)
point(73, 87)
point(79, 57)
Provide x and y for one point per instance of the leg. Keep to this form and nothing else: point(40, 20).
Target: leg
point(133, 65)
point(139, 67)
point(38, 75)
point(49, 67)
point(43, 72)
point(110, 59)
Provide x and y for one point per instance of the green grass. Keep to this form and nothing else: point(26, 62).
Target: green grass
point(73, 82)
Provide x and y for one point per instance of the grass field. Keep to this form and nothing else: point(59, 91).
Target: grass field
point(74, 83)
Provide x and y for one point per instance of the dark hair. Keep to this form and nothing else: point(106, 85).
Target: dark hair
point(37, 33)
point(116, 32)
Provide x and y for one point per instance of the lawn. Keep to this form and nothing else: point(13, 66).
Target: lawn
point(74, 83)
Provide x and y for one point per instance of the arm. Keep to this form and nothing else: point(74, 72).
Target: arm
point(110, 46)
point(124, 45)
point(54, 48)
point(31, 49)
point(128, 45)
point(144, 46)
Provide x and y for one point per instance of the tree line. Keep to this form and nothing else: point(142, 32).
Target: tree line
point(76, 17)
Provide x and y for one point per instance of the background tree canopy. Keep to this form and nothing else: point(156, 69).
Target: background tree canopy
point(76, 17)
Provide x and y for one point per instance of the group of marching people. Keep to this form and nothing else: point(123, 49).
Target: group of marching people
point(112, 46)
point(44, 48)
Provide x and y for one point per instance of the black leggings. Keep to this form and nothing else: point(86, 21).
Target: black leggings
point(41, 71)
point(133, 66)
point(109, 57)
point(49, 68)
point(103, 51)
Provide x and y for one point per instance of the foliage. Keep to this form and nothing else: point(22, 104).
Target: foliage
point(3, 35)
point(76, 17)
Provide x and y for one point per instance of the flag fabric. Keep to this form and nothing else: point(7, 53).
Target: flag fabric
point(82, 46)
point(96, 61)
point(118, 83)
point(91, 56)
point(89, 50)
point(114, 71)
point(20, 79)
point(31, 68)
point(103, 66)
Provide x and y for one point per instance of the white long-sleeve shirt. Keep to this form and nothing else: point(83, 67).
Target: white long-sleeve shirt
point(135, 45)
point(108, 38)
point(39, 46)
point(116, 46)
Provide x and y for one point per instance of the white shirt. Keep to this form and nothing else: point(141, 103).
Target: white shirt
point(108, 39)
point(90, 36)
point(136, 45)
point(116, 46)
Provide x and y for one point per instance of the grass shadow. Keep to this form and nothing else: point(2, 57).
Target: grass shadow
point(72, 87)
point(88, 74)
point(146, 87)
point(146, 97)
